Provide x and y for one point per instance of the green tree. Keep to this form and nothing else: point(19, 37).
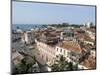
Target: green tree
point(24, 66)
point(62, 65)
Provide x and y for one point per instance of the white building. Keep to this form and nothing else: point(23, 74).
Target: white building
point(88, 24)
point(62, 36)
point(67, 34)
point(25, 37)
point(67, 47)
point(91, 34)
point(19, 31)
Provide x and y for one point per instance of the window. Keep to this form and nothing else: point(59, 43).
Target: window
point(57, 49)
point(64, 52)
point(60, 50)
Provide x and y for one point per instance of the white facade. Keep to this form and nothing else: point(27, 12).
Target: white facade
point(61, 36)
point(88, 42)
point(64, 52)
point(25, 37)
point(61, 51)
point(91, 34)
point(88, 24)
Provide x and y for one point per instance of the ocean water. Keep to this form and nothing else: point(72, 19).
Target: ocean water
point(26, 26)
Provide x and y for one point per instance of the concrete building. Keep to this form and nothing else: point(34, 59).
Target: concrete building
point(91, 33)
point(50, 46)
point(88, 24)
point(27, 37)
point(47, 52)
point(73, 52)
point(67, 34)
point(88, 40)
point(69, 49)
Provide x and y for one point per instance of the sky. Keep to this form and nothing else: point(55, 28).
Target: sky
point(42, 13)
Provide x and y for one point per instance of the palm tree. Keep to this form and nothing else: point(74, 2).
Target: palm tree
point(55, 67)
point(24, 67)
point(70, 66)
point(62, 65)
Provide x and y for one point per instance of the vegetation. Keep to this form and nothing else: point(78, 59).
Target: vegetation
point(15, 40)
point(44, 26)
point(65, 25)
point(24, 67)
point(18, 27)
point(62, 65)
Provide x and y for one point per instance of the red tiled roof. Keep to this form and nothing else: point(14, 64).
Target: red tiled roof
point(70, 45)
point(90, 63)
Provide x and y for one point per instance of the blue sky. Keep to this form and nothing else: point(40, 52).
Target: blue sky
point(40, 13)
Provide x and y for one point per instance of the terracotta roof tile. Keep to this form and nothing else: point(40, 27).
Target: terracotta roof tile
point(90, 63)
point(71, 45)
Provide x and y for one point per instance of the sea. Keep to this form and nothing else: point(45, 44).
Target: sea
point(26, 26)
